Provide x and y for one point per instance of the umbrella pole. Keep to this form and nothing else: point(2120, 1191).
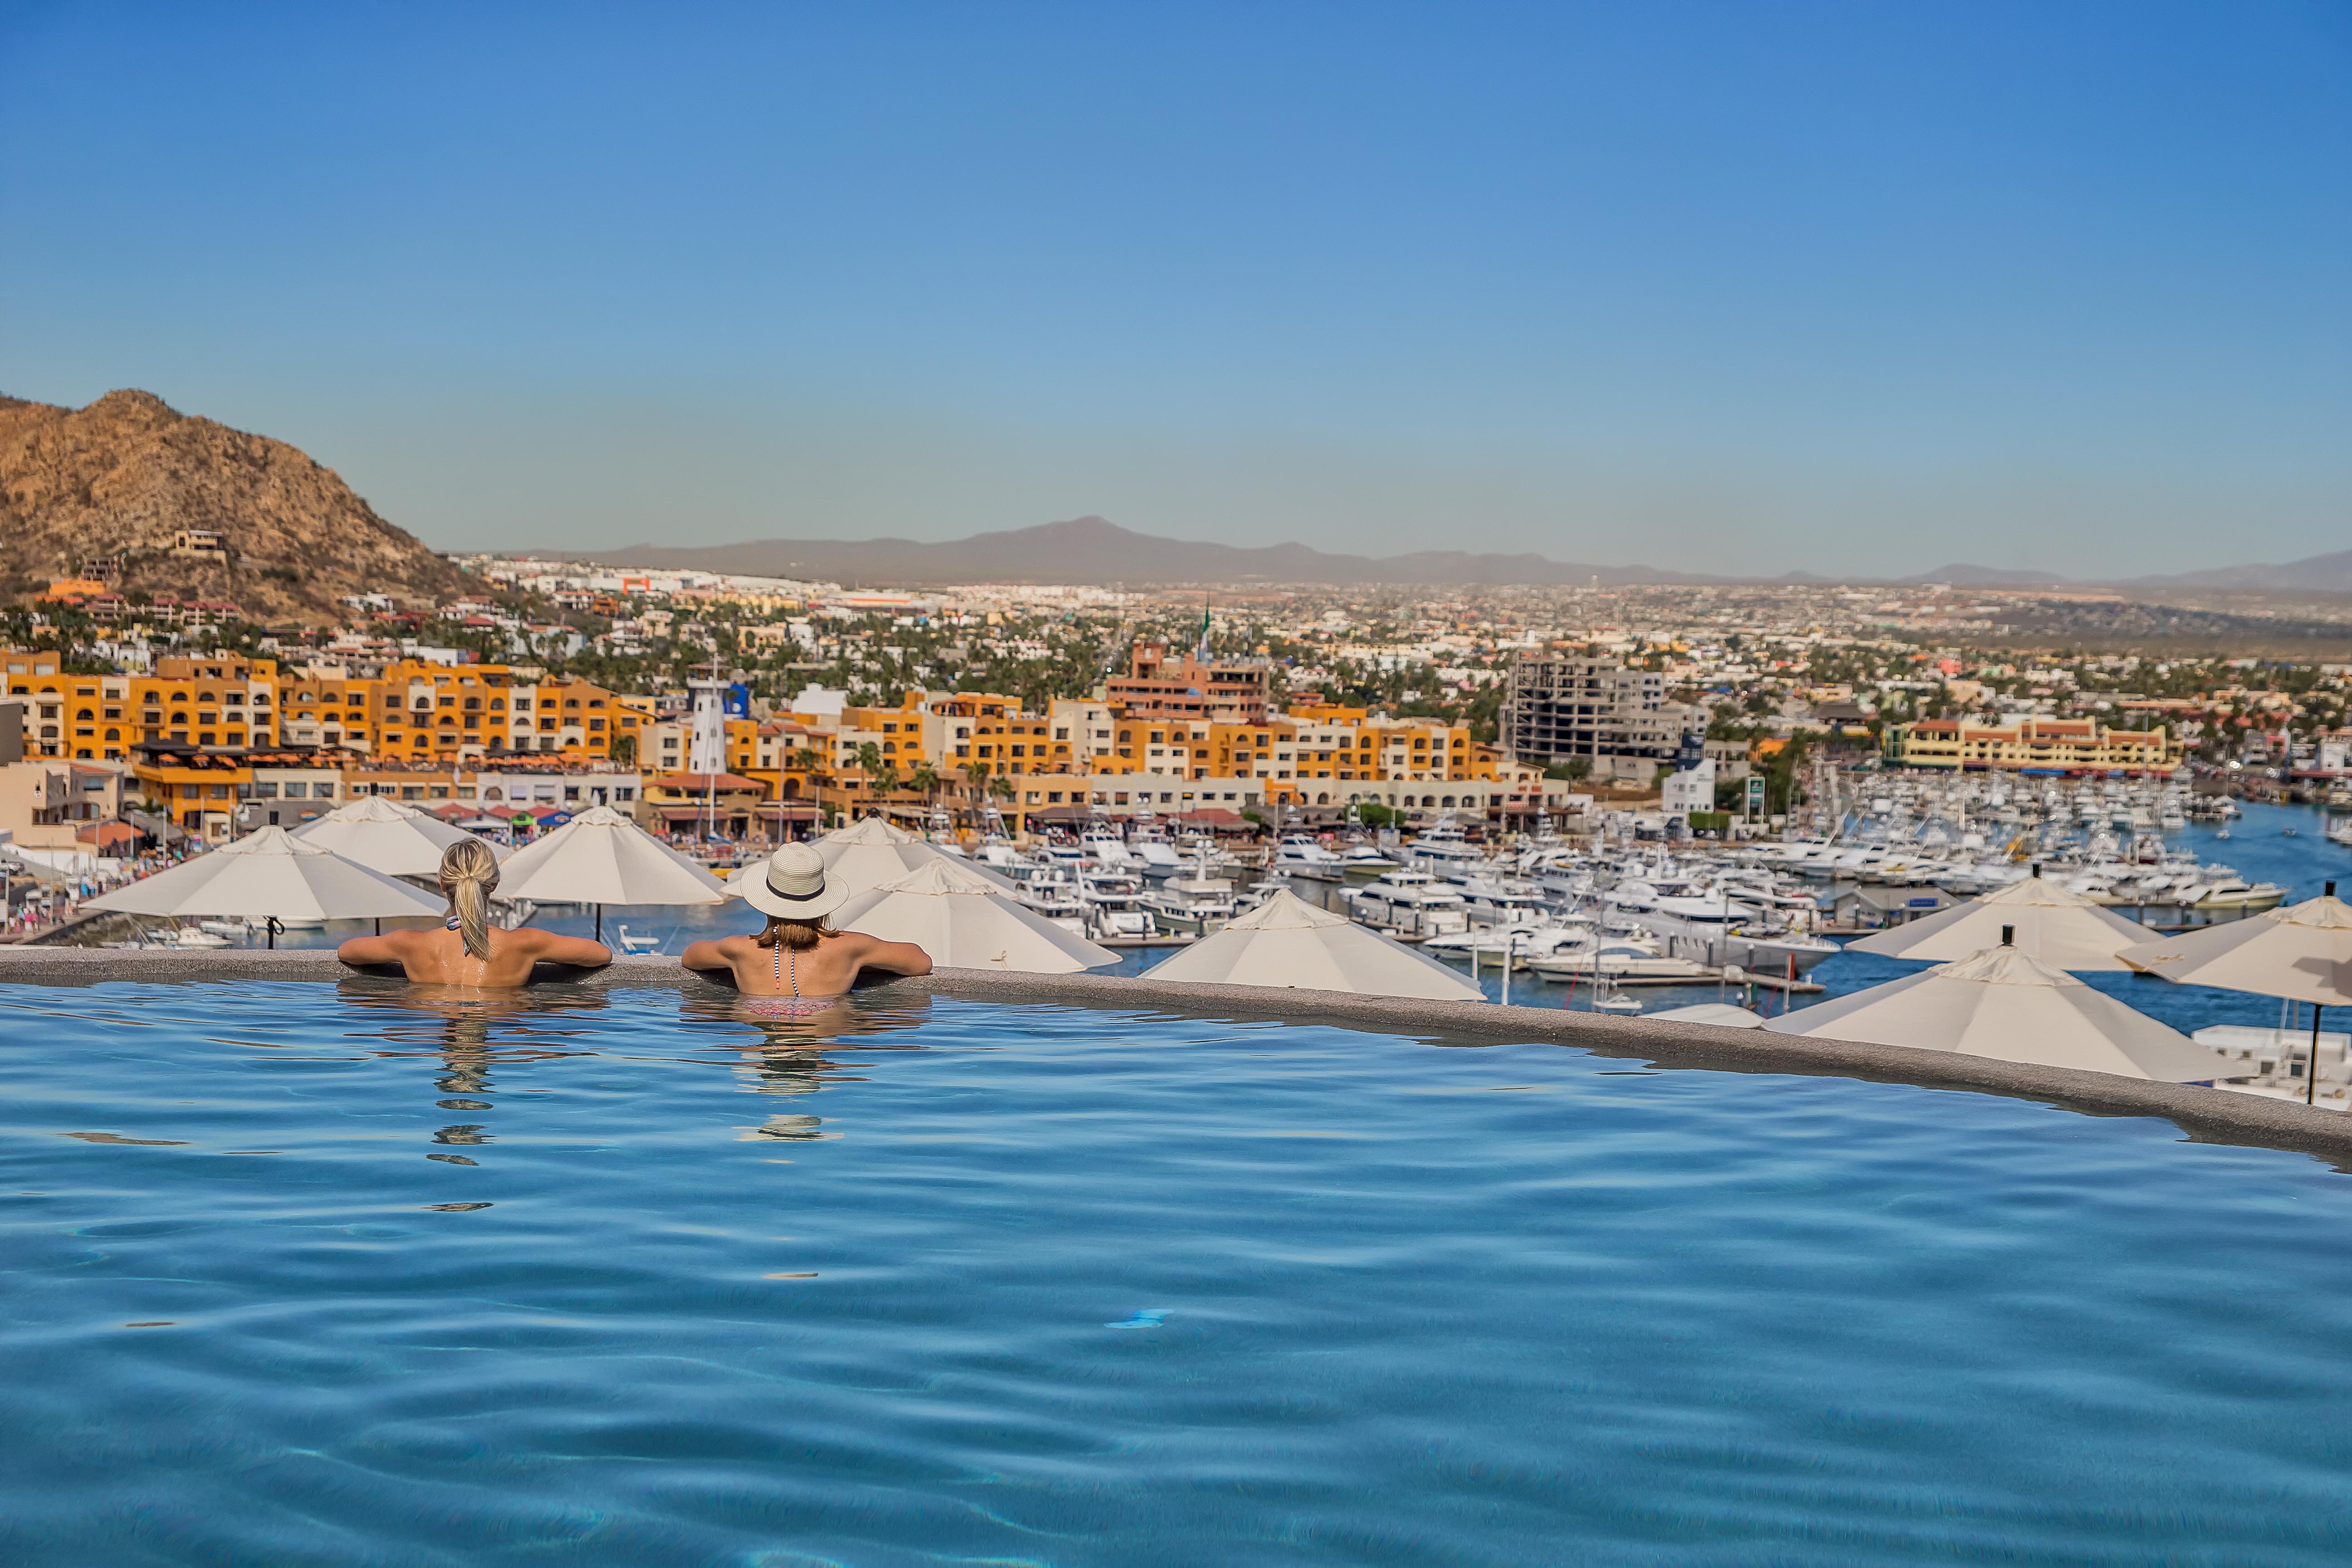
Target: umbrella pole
point(270, 926)
point(2311, 1078)
point(600, 922)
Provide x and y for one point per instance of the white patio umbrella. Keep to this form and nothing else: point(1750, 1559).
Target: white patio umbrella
point(2300, 954)
point(2056, 925)
point(2006, 1005)
point(272, 877)
point(964, 920)
point(868, 854)
point(600, 858)
point(1287, 940)
point(397, 840)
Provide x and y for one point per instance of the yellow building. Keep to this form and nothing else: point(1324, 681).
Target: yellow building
point(2038, 745)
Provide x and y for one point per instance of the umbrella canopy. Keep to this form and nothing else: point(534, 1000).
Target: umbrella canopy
point(2007, 1005)
point(601, 857)
point(271, 874)
point(2302, 953)
point(2056, 925)
point(966, 922)
point(397, 840)
point(1287, 940)
point(870, 854)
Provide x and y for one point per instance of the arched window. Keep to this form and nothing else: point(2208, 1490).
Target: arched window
point(84, 714)
point(114, 734)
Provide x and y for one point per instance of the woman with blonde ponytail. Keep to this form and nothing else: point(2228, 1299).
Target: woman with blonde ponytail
point(467, 950)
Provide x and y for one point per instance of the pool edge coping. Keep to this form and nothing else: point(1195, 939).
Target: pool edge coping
point(2204, 1114)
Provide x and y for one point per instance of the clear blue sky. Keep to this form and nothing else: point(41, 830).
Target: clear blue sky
point(1745, 287)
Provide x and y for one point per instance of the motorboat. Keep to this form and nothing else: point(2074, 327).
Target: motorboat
point(1114, 901)
point(1298, 855)
point(1442, 849)
point(632, 942)
point(1616, 958)
point(1195, 902)
point(1410, 902)
point(1053, 894)
point(1364, 858)
point(1106, 848)
point(1148, 842)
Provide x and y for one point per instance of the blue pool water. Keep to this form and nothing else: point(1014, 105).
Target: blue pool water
point(297, 1274)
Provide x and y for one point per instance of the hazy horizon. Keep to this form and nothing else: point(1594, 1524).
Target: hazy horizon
point(1849, 289)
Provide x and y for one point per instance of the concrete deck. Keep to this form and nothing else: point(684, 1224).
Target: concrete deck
point(2205, 1115)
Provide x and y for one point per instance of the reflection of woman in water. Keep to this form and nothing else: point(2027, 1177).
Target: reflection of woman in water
point(799, 959)
point(467, 950)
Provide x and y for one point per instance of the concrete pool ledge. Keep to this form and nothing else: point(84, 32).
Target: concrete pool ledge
point(2206, 1115)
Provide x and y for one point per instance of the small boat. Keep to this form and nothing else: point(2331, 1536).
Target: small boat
point(632, 943)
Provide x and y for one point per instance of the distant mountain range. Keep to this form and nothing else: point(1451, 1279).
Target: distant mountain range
point(1090, 550)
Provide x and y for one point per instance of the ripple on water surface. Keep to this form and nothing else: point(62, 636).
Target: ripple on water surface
point(304, 1273)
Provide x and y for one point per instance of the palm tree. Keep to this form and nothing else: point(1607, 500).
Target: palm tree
point(925, 780)
point(811, 760)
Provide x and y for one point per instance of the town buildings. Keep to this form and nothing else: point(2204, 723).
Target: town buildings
point(1618, 720)
point(2029, 745)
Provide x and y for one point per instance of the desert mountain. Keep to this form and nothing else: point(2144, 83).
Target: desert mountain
point(1090, 550)
point(2329, 573)
point(129, 474)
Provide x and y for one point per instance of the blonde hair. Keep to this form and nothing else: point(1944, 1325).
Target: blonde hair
point(798, 936)
point(468, 872)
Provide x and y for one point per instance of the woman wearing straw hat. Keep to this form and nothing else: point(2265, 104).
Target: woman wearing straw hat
point(466, 949)
point(799, 955)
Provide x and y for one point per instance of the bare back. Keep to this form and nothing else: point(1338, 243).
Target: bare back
point(828, 969)
point(437, 956)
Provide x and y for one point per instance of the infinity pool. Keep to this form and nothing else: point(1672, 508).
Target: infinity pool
point(292, 1274)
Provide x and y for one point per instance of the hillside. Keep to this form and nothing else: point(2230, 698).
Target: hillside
point(126, 475)
point(1090, 550)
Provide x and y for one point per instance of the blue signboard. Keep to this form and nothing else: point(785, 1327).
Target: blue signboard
point(736, 703)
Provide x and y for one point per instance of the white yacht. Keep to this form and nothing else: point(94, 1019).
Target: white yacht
point(1194, 902)
point(1615, 958)
point(1298, 855)
point(1717, 930)
point(1105, 847)
point(1440, 850)
point(1148, 842)
point(1114, 907)
point(1058, 898)
point(1410, 902)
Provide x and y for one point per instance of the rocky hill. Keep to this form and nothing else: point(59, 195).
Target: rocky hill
point(128, 475)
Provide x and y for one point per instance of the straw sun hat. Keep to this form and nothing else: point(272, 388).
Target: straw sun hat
point(794, 886)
